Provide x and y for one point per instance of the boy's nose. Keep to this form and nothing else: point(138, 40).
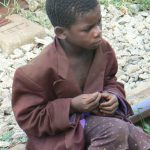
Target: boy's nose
point(97, 32)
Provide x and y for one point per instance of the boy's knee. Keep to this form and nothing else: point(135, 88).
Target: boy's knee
point(119, 129)
point(114, 134)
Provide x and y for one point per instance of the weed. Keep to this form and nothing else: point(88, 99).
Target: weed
point(143, 122)
point(143, 4)
point(14, 3)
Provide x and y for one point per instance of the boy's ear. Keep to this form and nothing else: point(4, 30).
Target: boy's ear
point(60, 32)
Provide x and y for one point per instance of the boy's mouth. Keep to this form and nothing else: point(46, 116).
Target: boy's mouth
point(97, 42)
point(95, 45)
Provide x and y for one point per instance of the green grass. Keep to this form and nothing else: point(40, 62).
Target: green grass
point(144, 123)
point(15, 9)
point(40, 18)
point(5, 3)
point(143, 4)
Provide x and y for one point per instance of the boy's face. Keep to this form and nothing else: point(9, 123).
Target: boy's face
point(86, 32)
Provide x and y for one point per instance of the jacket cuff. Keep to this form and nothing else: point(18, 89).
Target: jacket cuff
point(60, 119)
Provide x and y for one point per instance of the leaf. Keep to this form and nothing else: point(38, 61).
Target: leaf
point(146, 127)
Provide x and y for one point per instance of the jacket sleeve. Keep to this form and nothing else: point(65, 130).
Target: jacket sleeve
point(34, 113)
point(112, 85)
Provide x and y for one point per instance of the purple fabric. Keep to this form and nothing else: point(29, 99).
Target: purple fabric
point(82, 122)
point(72, 119)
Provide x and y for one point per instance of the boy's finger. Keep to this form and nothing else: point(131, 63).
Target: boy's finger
point(95, 94)
point(95, 103)
point(107, 104)
point(110, 108)
point(92, 97)
point(98, 99)
point(105, 95)
point(87, 96)
point(110, 102)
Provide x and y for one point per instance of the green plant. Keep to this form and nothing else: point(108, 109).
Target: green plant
point(104, 2)
point(143, 122)
point(143, 4)
point(5, 3)
point(14, 9)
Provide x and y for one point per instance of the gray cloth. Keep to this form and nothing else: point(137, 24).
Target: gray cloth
point(107, 133)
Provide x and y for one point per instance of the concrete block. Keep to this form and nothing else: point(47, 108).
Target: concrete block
point(18, 32)
point(139, 94)
point(18, 147)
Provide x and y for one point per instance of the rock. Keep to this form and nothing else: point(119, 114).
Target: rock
point(124, 78)
point(134, 8)
point(18, 134)
point(3, 127)
point(147, 19)
point(22, 29)
point(4, 144)
point(18, 147)
point(27, 47)
point(123, 62)
point(147, 47)
point(125, 20)
point(29, 56)
point(34, 5)
point(50, 32)
point(144, 76)
point(17, 53)
point(144, 14)
point(120, 73)
point(139, 93)
point(44, 41)
point(132, 68)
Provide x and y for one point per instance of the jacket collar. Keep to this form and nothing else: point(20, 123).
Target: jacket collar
point(62, 60)
point(95, 78)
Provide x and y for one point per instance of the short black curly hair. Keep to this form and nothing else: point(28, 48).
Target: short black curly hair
point(64, 12)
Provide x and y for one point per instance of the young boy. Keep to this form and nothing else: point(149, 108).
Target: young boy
point(68, 98)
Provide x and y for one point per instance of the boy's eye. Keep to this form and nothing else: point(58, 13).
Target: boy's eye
point(87, 29)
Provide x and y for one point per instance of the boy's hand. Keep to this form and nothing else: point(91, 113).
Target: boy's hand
point(111, 104)
point(85, 102)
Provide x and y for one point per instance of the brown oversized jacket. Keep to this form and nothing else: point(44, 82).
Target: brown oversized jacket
point(42, 91)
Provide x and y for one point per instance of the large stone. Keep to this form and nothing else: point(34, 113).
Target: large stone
point(18, 147)
point(138, 94)
point(4, 144)
point(19, 32)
